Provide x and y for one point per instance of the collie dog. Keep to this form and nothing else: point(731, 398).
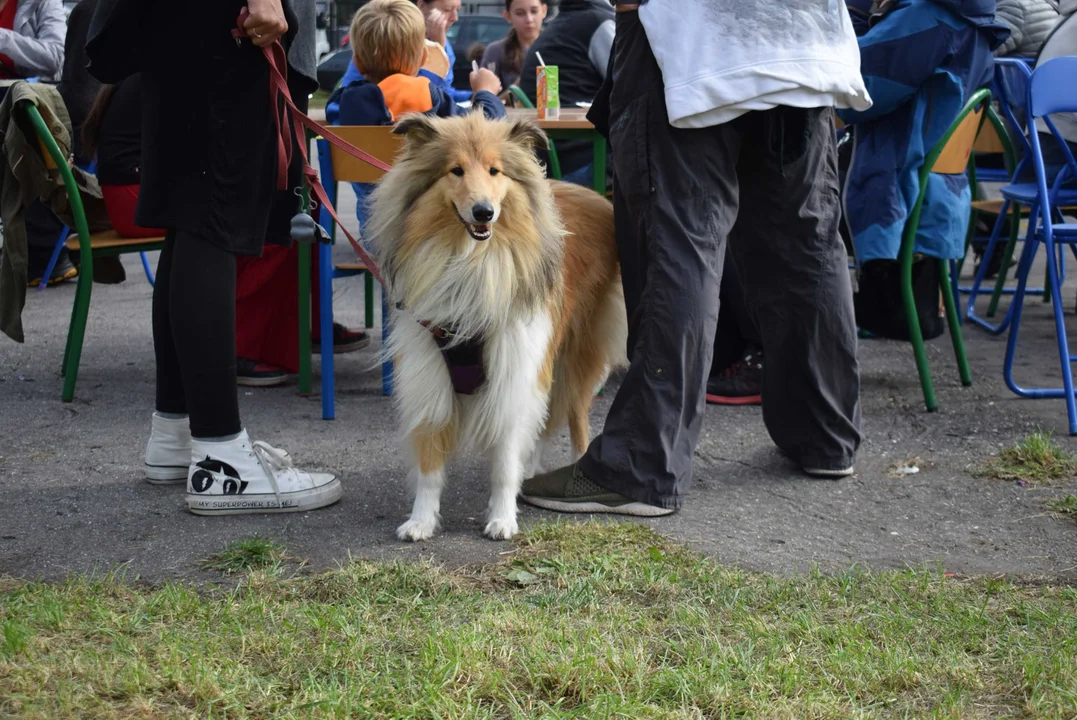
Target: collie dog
point(506, 301)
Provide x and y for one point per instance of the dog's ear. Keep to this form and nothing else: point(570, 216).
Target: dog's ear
point(417, 128)
point(528, 134)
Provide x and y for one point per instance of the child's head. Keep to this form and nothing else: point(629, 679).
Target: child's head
point(388, 37)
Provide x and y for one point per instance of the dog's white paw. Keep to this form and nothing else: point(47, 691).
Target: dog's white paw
point(501, 528)
point(416, 530)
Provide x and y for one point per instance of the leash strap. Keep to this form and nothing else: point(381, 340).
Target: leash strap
point(288, 121)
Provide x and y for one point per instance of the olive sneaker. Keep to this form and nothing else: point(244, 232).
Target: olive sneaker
point(569, 490)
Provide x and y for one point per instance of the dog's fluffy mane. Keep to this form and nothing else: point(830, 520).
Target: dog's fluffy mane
point(431, 266)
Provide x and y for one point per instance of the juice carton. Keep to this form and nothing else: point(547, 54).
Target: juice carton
point(547, 92)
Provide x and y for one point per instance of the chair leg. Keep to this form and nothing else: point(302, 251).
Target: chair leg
point(1060, 329)
point(304, 320)
point(916, 337)
point(147, 269)
point(76, 333)
point(955, 291)
point(1007, 259)
point(54, 258)
point(368, 299)
point(325, 309)
point(955, 326)
point(387, 362)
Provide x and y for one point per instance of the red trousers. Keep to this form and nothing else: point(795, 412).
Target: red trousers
point(267, 307)
point(267, 289)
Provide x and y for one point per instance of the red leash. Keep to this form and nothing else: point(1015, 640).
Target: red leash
point(288, 119)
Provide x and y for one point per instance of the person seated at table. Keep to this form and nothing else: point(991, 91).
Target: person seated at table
point(1030, 22)
point(388, 39)
point(921, 60)
point(438, 17)
point(579, 42)
point(267, 323)
point(32, 39)
point(506, 56)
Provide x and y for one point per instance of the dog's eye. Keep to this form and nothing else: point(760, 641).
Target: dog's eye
point(457, 171)
point(494, 171)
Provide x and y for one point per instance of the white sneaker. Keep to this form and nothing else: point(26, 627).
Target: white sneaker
point(236, 476)
point(168, 453)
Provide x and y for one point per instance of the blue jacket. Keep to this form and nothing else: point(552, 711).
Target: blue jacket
point(352, 74)
point(363, 103)
point(920, 62)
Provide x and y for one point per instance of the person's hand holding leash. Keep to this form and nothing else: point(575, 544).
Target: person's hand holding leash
point(266, 22)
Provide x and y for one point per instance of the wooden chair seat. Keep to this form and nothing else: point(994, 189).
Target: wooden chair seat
point(111, 240)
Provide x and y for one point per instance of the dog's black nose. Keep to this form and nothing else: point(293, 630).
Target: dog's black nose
point(482, 212)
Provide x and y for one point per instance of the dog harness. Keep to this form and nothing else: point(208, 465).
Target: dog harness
point(467, 371)
point(464, 360)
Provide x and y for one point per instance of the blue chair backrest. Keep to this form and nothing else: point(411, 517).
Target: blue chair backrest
point(1052, 90)
point(1011, 89)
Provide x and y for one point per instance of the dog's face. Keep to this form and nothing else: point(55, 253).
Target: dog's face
point(474, 165)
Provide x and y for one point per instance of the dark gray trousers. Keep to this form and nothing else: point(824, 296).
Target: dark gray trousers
point(767, 181)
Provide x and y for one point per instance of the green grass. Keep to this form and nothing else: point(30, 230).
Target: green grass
point(1036, 458)
point(584, 621)
point(1066, 505)
point(250, 554)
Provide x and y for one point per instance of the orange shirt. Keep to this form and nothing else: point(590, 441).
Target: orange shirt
point(405, 94)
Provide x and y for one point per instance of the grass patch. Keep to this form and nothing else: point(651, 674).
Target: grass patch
point(1066, 505)
point(1036, 458)
point(250, 554)
point(587, 621)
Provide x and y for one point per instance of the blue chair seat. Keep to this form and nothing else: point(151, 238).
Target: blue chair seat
point(1063, 231)
point(1027, 194)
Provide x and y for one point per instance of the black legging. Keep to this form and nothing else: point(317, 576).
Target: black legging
point(194, 334)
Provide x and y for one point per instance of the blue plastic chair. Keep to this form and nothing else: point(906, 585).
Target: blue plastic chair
point(1012, 79)
point(66, 232)
point(327, 272)
point(1051, 89)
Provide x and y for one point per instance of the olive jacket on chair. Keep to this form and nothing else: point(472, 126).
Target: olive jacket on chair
point(24, 177)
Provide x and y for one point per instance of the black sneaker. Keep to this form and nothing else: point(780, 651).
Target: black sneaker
point(739, 384)
point(252, 373)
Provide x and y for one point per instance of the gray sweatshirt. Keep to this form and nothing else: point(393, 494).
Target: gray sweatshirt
point(36, 45)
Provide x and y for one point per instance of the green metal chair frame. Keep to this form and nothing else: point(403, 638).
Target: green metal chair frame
point(521, 97)
point(906, 256)
point(76, 332)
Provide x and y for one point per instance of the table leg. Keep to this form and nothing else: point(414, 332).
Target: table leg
point(304, 319)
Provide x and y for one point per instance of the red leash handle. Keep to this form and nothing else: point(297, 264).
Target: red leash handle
point(288, 119)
